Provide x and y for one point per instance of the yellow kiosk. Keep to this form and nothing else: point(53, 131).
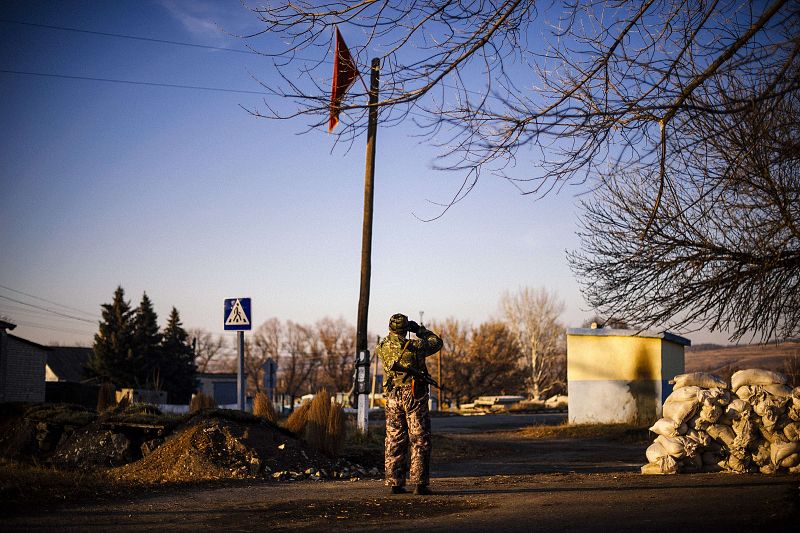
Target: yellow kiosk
point(620, 375)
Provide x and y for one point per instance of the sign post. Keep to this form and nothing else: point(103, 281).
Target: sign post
point(238, 318)
point(270, 370)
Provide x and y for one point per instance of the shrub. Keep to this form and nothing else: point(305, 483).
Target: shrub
point(296, 422)
point(335, 434)
point(262, 407)
point(201, 401)
point(320, 423)
point(317, 421)
point(106, 397)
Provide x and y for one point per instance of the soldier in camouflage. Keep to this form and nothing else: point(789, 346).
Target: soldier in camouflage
point(407, 417)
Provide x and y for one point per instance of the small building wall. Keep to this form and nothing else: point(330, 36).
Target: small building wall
point(22, 374)
point(220, 386)
point(620, 376)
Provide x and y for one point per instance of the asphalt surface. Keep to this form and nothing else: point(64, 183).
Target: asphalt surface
point(484, 423)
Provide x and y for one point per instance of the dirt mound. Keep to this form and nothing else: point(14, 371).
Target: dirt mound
point(217, 448)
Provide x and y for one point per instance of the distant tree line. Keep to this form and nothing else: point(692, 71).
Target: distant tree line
point(131, 351)
point(522, 351)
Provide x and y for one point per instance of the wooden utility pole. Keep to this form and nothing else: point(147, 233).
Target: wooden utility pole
point(439, 377)
point(366, 240)
point(374, 379)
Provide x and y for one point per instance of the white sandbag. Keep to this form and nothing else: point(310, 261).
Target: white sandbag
point(655, 452)
point(680, 412)
point(719, 395)
point(779, 451)
point(770, 421)
point(746, 433)
point(767, 469)
point(793, 413)
point(737, 465)
point(698, 379)
point(668, 428)
point(792, 431)
point(665, 465)
point(773, 404)
point(737, 408)
point(791, 461)
point(771, 434)
point(793, 408)
point(779, 390)
point(683, 394)
point(761, 455)
point(756, 376)
point(677, 447)
point(722, 433)
point(748, 392)
point(697, 423)
point(709, 412)
point(702, 438)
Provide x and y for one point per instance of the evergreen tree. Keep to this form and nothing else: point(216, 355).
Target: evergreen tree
point(147, 345)
point(177, 361)
point(113, 357)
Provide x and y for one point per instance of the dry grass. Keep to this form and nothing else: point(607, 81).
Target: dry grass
point(317, 421)
point(23, 486)
point(618, 432)
point(296, 422)
point(262, 407)
point(320, 423)
point(766, 356)
point(201, 401)
point(106, 397)
point(335, 433)
point(791, 367)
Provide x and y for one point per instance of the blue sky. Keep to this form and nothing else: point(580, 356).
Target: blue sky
point(184, 195)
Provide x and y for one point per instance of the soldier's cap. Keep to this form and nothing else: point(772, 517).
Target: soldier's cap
point(398, 323)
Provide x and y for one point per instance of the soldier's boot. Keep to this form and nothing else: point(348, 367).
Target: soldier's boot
point(422, 490)
point(394, 489)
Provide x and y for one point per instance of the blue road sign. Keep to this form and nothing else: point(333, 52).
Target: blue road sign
point(237, 314)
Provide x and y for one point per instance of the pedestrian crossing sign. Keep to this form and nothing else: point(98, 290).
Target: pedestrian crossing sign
point(237, 314)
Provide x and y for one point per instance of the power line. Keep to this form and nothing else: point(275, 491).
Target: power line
point(173, 43)
point(46, 309)
point(48, 301)
point(132, 37)
point(51, 328)
point(131, 82)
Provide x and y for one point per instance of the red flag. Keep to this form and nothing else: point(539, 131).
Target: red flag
point(344, 75)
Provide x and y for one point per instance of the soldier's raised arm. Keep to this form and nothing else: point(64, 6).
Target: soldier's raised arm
point(427, 342)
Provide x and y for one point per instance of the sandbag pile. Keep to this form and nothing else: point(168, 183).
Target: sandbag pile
point(707, 426)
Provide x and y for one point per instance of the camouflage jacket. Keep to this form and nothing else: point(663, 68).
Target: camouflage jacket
point(409, 352)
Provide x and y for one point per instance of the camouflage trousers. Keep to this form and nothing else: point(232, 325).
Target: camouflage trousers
point(407, 422)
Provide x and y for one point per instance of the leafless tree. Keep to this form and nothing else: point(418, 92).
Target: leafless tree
point(299, 360)
point(265, 343)
point(210, 350)
point(532, 317)
point(337, 345)
point(723, 251)
point(478, 360)
point(580, 88)
point(455, 339)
